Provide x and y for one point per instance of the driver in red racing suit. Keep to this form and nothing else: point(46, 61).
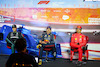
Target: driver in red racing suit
point(78, 41)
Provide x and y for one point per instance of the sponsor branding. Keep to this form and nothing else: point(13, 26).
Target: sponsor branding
point(94, 20)
point(65, 17)
point(67, 11)
point(4, 19)
point(44, 2)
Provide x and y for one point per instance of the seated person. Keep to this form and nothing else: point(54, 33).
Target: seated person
point(47, 41)
point(78, 41)
point(21, 57)
point(12, 37)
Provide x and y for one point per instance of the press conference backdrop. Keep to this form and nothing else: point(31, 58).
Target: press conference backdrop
point(62, 15)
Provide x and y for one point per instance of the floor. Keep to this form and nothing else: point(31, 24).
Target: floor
point(57, 63)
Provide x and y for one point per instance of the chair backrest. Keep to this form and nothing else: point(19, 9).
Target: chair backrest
point(54, 36)
point(47, 47)
point(21, 65)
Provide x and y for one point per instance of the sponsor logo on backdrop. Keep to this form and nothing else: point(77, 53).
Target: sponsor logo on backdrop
point(44, 2)
point(94, 20)
point(43, 10)
point(4, 19)
point(65, 17)
point(67, 11)
point(57, 10)
point(55, 16)
point(43, 16)
point(34, 16)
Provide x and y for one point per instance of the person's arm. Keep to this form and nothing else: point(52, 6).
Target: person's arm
point(20, 35)
point(8, 39)
point(72, 43)
point(83, 41)
point(42, 40)
point(52, 39)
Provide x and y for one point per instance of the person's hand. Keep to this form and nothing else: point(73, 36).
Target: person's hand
point(40, 41)
point(78, 43)
point(43, 42)
point(47, 41)
point(39, 45)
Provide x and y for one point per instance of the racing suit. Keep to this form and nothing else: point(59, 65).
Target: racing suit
point(78, 40)
point(11, 39)
point(51, 44)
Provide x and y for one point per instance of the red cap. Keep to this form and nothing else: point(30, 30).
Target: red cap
point(79, 27)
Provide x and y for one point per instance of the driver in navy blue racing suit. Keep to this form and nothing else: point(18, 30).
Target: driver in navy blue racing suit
point(47, 41)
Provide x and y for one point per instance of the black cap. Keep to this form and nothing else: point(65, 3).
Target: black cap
point(49, 27)
point(14, 26)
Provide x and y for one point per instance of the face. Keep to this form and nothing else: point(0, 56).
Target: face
point(48, 31)
point(14, 29)
point(78, 30)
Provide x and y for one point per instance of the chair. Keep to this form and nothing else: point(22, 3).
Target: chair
point(85, 50)
point(48, 48)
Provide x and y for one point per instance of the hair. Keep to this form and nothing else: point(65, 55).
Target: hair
point(20, 44)
point(14, 26)
point(49, 27)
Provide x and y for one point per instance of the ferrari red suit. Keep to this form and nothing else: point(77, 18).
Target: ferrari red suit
point(78, 40)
